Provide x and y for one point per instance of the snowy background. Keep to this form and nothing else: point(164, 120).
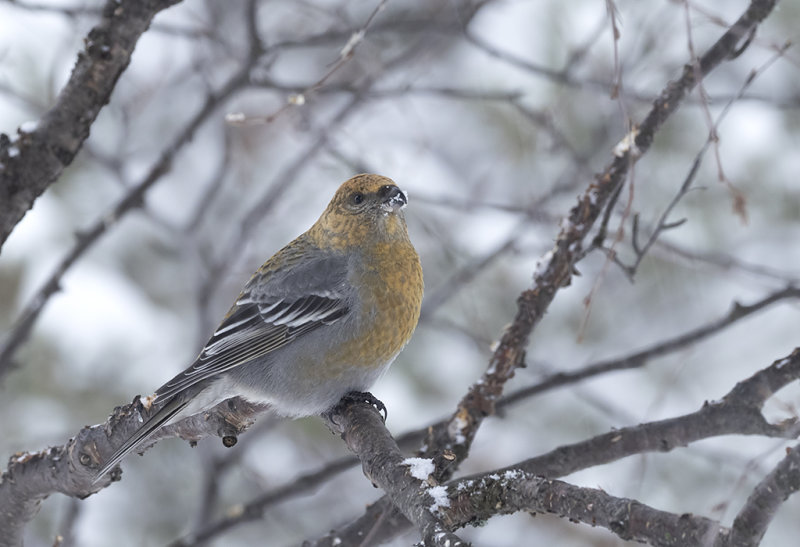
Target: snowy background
point(493, 131)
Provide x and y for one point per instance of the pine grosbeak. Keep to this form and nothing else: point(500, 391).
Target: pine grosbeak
point(325, 316)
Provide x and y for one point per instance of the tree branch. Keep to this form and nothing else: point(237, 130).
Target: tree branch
point(35, 158)
point(738, 412)
point(69, 469)
point(755, 516)
point(449, 444)
point(415, 493)
point(642, 357)
point(133, 199)
point(556, 267)
point(480, 498)
point(521, 487)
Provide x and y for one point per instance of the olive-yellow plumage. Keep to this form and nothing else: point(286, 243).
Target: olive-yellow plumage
point(325, 316)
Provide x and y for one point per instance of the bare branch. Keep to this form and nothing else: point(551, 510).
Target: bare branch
point(419, 497)
point(463, 276)
point(254, 510)
point(753, 519)
point(642, 357)
point(521, 486)
point(556, 268)
point(133, 199)
point(35, 158)
point(728, 262)
point(70, 11)
point(738, 412)
point(69, 469)
point(479, 498)
point(299, 99)
point(663, 223)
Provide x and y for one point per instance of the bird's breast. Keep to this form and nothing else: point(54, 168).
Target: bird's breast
point(388, 306)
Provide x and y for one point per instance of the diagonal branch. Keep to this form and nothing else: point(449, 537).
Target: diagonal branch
point(556, 268)
point(133, 199)
point(737, 413)
point(417, 495)
point(753, 519)
point(640, 358)
point(35, 158)
point(449, 444)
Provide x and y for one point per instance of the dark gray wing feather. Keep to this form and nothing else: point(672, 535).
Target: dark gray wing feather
point(273, 310)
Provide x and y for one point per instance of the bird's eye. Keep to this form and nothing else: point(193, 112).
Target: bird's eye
point(358, 198)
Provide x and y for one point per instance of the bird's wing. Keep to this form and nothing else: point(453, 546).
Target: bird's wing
point(288, 297)
point(274, 309)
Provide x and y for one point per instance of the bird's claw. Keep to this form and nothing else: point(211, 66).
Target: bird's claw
point(370, 399)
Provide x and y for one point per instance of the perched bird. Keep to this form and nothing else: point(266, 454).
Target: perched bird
point(325, 316)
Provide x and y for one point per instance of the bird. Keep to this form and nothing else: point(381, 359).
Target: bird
point(324, 317)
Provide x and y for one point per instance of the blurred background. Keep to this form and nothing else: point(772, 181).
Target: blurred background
point(493, 116)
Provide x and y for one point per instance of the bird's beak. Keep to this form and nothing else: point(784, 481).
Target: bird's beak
point(393, 199)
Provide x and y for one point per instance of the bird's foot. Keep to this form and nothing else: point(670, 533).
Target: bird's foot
point(369, 398)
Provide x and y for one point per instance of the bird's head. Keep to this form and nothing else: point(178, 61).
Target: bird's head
point(365, 208)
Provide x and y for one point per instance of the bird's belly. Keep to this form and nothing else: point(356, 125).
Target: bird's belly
point(308, 380)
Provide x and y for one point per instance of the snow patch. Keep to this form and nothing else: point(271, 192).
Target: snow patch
point(782, 363)
point(628, 144)
point(455, 429)
point(235, 117)
point(542, 264)
point(28, 127)
point(351, 44)
point(512, 474)
point(420, 468)
point(440, 499)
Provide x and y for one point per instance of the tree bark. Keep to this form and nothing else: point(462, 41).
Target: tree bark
point(34, 158)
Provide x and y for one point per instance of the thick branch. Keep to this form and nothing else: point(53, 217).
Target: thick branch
point(520, 487)
point(70, 468)
point(36, 158)
point(475, 500)
point(416, 496)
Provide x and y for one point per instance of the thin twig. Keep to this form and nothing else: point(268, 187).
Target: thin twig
point(642, 357)
point(298, 99)
point(133, 199)
point(663, 223)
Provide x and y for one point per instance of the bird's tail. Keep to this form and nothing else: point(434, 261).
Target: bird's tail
point(162, 416)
